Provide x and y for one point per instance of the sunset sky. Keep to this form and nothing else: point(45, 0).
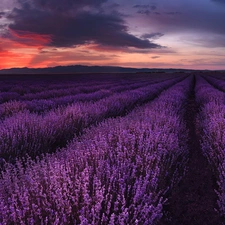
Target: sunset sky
point(129, 33)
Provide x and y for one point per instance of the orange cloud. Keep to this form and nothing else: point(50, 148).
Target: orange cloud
point(21, 48)
point(29, 38)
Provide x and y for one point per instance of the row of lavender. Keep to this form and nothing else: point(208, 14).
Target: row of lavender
point(217, 75)
point(71, 96)
point(29, 91)
point(48, 99)
point(36, 84)
point(66, 97)
point(115, 174)
point(32, 134)
point(86, 88)
point(217, 82)
point(50, 92)
point(211, 121)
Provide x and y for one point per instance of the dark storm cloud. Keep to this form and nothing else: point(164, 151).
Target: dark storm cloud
point(62, 6)
point(81, 27)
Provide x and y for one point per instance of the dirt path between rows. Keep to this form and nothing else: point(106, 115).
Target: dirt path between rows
point(194, 200)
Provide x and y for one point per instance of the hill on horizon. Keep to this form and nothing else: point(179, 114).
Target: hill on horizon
point(86, 69)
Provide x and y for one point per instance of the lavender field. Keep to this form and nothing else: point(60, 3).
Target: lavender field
point(112, 149)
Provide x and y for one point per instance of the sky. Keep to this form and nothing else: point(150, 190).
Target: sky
point(130, 33)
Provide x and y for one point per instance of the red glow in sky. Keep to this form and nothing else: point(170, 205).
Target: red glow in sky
point(41, 33)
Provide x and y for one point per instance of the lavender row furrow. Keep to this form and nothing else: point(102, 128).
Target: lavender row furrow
point(113, 175)
point(32, 134)
point(211, 121)
point(47, 94)
point(34, 85)
point(218, 75)
point(48, 91)
point(13, 102)
point(42, 106)
point(216, 82)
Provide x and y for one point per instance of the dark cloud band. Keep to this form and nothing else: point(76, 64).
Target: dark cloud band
point(77, 28)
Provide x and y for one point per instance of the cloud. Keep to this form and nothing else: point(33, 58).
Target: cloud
point(144, 12)
point(115, 5)
point(7, 4)
point(147, 12)
point(145, 9)
point(59, 6)
point(152, 7)
point(140, 6)
point(68, 57)
point(152, 36)
point(30, 39)
point(173, 13)
point(106, 49)
point(70, 30)
point(211, 41)
point(190, 21)
point(155, 57)
point(2, 14)
point(219, 1)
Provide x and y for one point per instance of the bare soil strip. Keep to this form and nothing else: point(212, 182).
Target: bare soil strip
point(194, 200)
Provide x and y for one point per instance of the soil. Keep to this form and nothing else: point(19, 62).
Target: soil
point(193, 202)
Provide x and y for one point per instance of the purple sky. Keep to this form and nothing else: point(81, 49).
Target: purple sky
point(153, 33)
